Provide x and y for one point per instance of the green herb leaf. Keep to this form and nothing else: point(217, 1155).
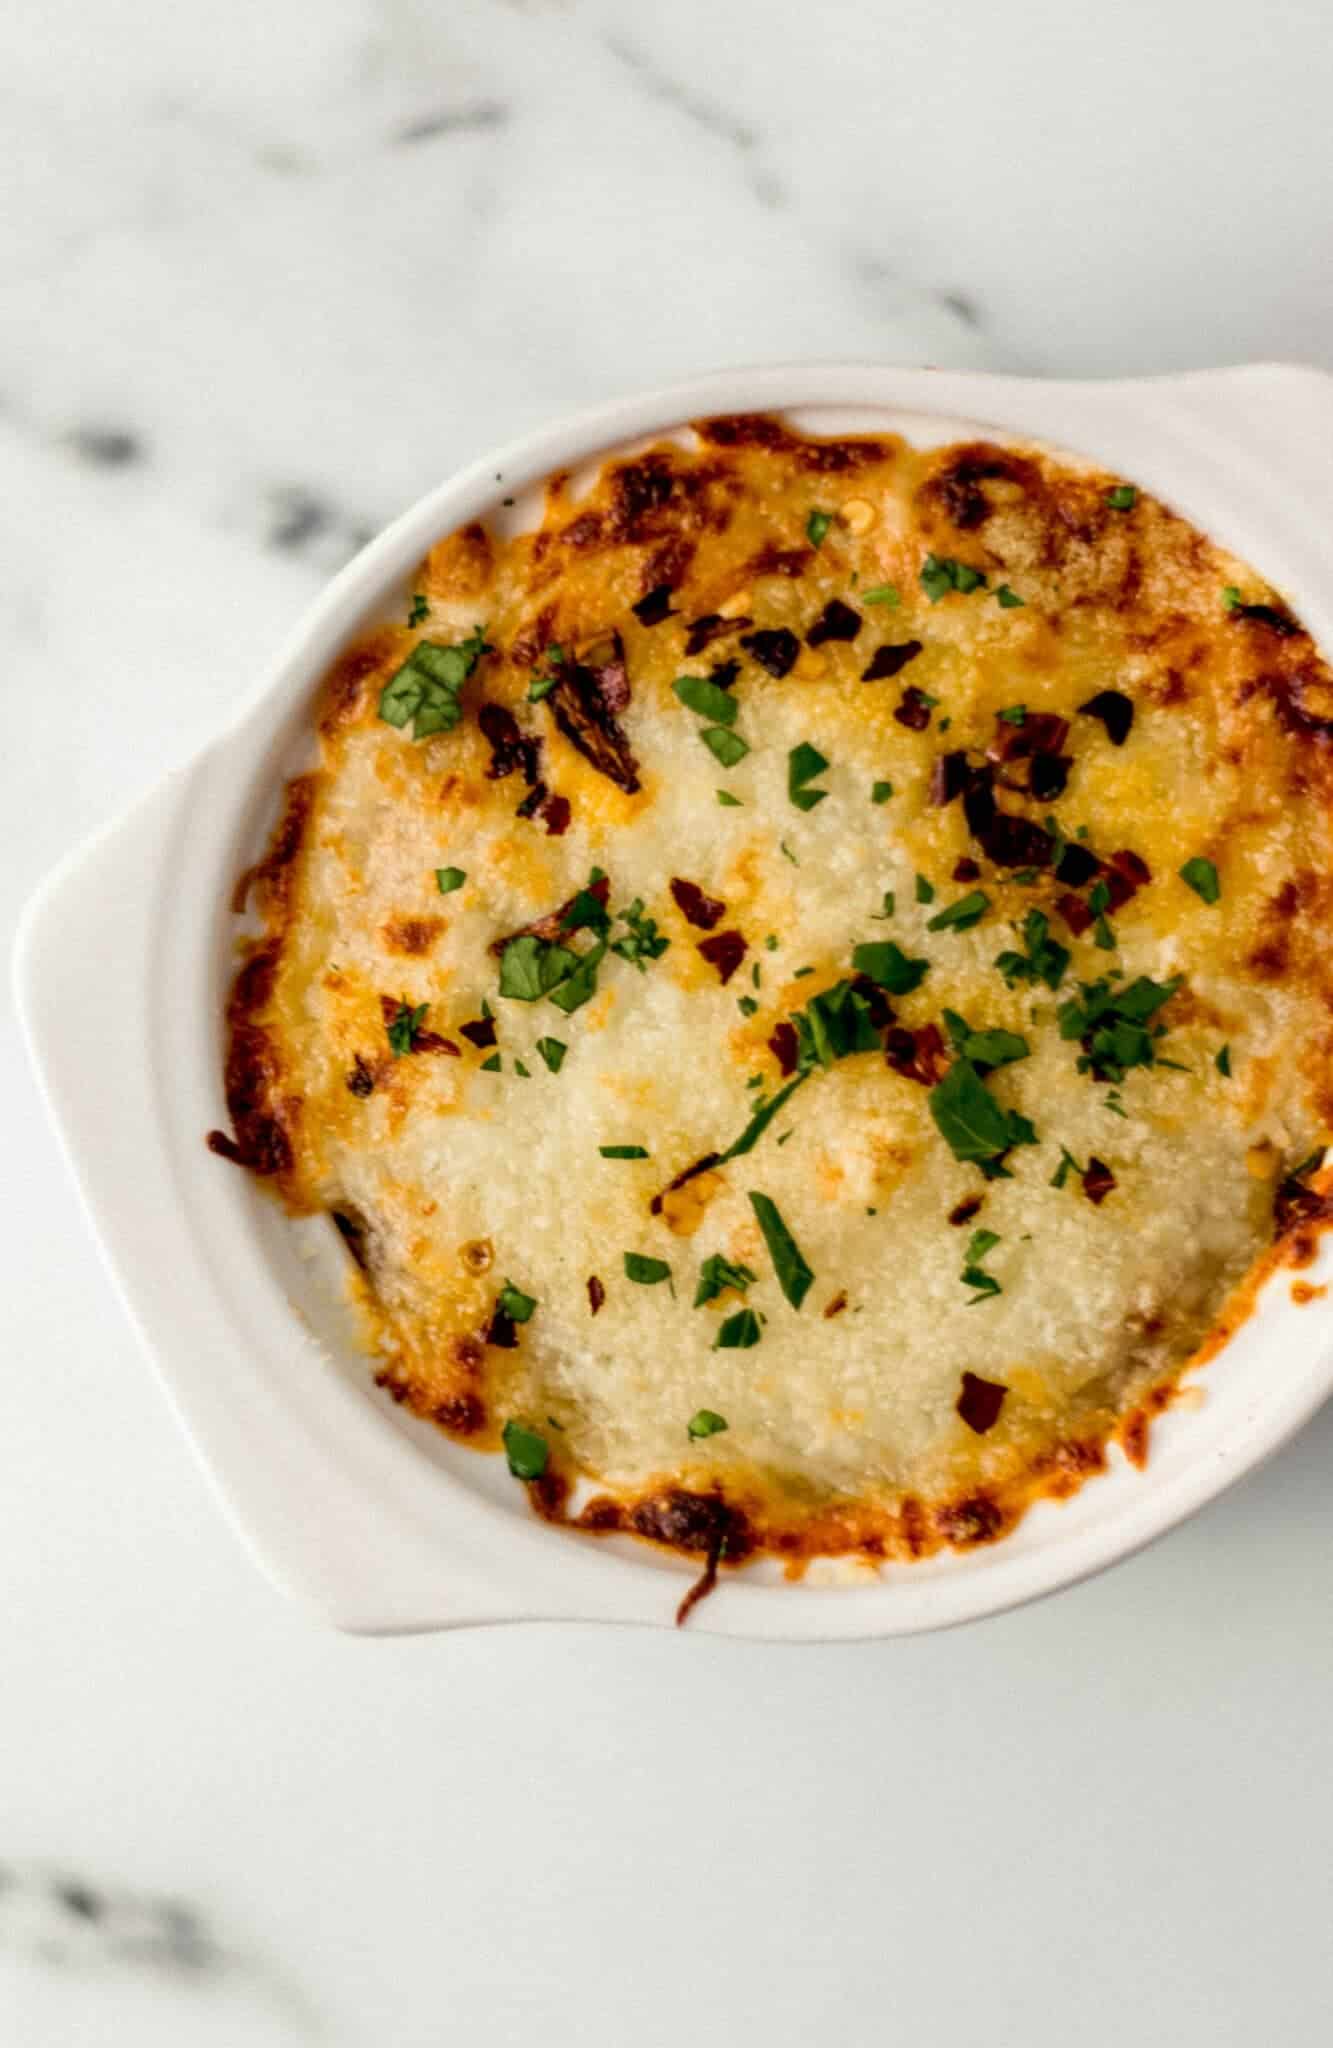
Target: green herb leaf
point(787, 853)
point(962, 915)
point(1009, 600)
point(925, 891)
point(646, 1272)
point(995, 1048)
point(449, 879)
point(553, 1051)
point(803, 764)
point(816, 526)
point(724, 796)
point(761, 1120)
point(519, 1307)
point(705, 1423)
point(970, 1120)
point(493, 1065)
point(403, 1027)
point(794, 1276)
point(1068, 1164)
point(887, 907)
point(1223, 1062)
point(882, 593)
point(726, 748)
point(1123, 498)
point(527, 1452)
point(1045, 959)
point(985, 1284)
point(420, 609)
point(889, 967)
point(1201, 876)
point(716, 1274)
point(941, 573)
point(531, 968)
point(424, 691)
point(980, 1242)
point(622, 1152)
point(524, 1073)
point(738, 1332)
point(880, 792)
point(641, 939)
point(577, 987)
point(1232, 598)
point(746, 1005)
point(707, 699)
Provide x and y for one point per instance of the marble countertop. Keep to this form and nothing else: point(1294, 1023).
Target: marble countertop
point(270, 272)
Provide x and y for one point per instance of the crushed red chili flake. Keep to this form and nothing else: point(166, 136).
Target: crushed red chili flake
point(1098, 1181)
point(533, 801)
point(481, 1033)
point(966, 870)
point(1115, 711)
point(725, 951)
point(948, 778)
point(837, 621)
point(785, 1046)
point(585, 704)
point(1075, 913)
point(980, 1402)
point(724, 674)
point(554, 813)
point(913, 709)
point(917, 1055)
point(699, 909)
point(656, 606)
point(1006, 839)
point(1124, 873)
point(1048, 775)
point(775, 648)
point(702, 632)
point(1041, 732)
point(510, 746)
point(361, 1079)
point(1076, 865)
point(686, 1174)
point(502, 1332)
point(964, 1211)
point(889, 660)
point(596, 1293)
point(555, 921)
point(836, 1306)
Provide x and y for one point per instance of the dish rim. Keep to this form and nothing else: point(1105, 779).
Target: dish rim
point(341, 1508)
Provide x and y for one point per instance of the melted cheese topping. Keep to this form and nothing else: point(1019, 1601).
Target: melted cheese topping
point(844, 1428)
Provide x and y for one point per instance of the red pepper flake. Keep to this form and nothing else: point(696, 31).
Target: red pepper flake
point(481, 1034)
point(837, 621)
point(785, 1047)
point(1041, 732)
point(555, 921)
point(699, 909)
point(1098, 1181)
point(725, 951)
point(510, 746)
point(502, 1332)
point(836, 1306)
point(887, 661)
point(1075, 913)
point(656, 606)
point(702, 632)
point(775, 648)
point(1076, 865)
point(913, 709)
point(596, 1293)
point(917, 1055)
point(966, 870)
point(555, 814)
point(1126, 872)
point(724, 674)
point(948, 778)
point(964, 1211)
point(361, 1078)
point(1115, 711)
point(980, 1402)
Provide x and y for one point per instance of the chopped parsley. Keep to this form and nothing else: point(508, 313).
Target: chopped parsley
point(972, 1123)
point(746, 1005)
point(764, 1115)
point(887, 908)
point(707, 699)
point(1201, 876)
point(623, 1152)
point(973, 1275)
point(787, 853)
point(449, 879)
point(403, 1027)
point(726, 748)
point(994, 1048)
point(1223, 1062)
point(578, 987)
point(1099, 902)
point(941, 573)
point(1068, 1164)
point(642, 940)
point(526, 1451)
point(794, 1275)
point(816, 526)
point(1231, 598)
point(420, 609)
point(493, 1065)
point(1123, 498)
point(803, 764)
point(553, 1051)
point(716, 1274)
point(424, 692)
point(1111, 1024)
point(704, 1422)
point(889, 967)
point(962, 915)
point(1008, 600)
point(880, 792)
point(542, 685)
point(1044, 960)
point(925, 891)
point(646, 1272)
point(739, 1332)
point(519, 1307)
point(882, 593)
point(1014, 714)
point(724, 796)
point(531, 968)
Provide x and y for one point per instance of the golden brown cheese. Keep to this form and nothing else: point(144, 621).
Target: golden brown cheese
point(975, 676)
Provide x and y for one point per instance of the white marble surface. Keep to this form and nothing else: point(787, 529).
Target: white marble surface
point(268, 272)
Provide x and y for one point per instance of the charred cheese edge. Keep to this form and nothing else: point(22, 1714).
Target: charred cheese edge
point(376, 1072)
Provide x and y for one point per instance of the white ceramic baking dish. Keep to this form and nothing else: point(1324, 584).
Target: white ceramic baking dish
point(126, 953)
